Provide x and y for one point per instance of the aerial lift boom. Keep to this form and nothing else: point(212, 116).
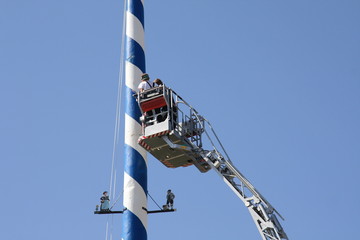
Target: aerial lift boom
point(172, 133)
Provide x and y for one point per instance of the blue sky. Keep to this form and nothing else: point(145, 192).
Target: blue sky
point(279, 81)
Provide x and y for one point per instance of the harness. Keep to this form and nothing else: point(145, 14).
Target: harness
point(149, 84)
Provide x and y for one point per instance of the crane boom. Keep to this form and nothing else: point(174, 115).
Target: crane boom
point(174, 137)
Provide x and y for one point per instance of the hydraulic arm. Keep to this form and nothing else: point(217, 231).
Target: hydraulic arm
point(263, 214)
point(172, 133)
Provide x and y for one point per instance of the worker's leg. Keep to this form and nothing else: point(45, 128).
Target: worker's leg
point(171, 204)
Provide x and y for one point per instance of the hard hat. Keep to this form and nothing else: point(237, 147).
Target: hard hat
point(145, 76)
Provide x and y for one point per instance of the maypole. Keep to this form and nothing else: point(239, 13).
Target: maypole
point(135, 161)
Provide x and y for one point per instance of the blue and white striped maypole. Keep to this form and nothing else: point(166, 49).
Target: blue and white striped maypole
point(135, 161)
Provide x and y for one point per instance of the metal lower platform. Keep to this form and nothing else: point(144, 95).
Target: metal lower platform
point(173, 150)
point(149, 212)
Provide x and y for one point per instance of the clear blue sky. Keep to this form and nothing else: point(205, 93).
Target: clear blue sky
point(279, 80)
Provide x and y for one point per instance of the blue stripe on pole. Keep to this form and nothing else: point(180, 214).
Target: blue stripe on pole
point(135, 166)
point(131, 106)
point(135, 54)
point(135, 230)
point(137, 9)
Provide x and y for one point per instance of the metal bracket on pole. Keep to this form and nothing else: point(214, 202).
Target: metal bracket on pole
point(108, 212)
point(149, 212)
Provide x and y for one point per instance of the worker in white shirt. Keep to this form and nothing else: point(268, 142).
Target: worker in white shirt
point(145, 83)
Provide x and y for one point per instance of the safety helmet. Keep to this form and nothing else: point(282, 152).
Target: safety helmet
point(145, 76)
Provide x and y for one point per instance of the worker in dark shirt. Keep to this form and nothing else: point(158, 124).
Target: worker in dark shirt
point(170, 199)
point(157, 83)
point(105, 202)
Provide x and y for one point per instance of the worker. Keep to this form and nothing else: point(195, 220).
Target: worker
point(160, 117)
point(170, 199)
point(105, 202)
point(145, 83)
point(157, 83)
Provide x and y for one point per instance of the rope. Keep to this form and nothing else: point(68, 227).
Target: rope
point(116, 201)
point(112, 185)
point(111, 227)
point(107, 229)
point(154, 201)
point(119, 98)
